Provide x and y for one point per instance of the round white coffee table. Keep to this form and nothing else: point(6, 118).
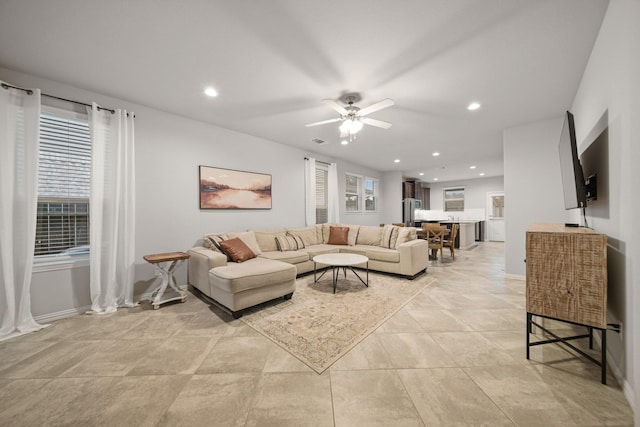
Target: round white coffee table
point(338, 261)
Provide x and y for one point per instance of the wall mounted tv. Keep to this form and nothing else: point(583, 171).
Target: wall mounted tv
point(576, 189)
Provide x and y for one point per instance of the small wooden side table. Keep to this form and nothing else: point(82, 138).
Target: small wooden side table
point(158, 295)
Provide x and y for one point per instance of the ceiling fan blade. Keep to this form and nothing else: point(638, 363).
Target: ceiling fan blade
point(376, 123)
point(334, 105)
point(324, 122)
point(377, 106)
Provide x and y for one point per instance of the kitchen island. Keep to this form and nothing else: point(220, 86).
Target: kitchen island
point(466, 232)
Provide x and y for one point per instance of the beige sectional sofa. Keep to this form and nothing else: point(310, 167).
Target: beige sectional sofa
point(282, 254)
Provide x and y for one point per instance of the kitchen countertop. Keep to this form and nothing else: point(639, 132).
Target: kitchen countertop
point(462, 221)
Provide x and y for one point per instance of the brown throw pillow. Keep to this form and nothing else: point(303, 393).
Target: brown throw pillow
point(237, 250)
point(338, 236)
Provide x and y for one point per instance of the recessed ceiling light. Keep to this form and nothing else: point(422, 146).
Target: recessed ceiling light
point(210, 91)
point(435, 154)
point(481, 174)
point(435, 179)
point(421, 173)
point(472, 167)
point(473, 106)
point(396, 161)
point(344, 142)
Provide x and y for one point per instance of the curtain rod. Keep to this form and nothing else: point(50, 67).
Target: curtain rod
point(319, 161)
point(30, 92)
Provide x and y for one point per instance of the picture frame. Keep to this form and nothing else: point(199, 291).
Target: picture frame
point(221, 188)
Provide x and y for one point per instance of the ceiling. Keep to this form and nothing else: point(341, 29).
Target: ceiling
point(273, 62)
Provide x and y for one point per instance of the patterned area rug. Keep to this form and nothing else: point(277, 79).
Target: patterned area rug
point(319, 327)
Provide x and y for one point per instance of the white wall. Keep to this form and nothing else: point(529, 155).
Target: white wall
point(607, 128)
point(532, 185)
point(475, 191)
point(391, 190)
point(169, 149)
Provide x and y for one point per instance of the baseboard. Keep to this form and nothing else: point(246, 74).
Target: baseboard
point(76, 311)
point(58, 315)
point(627, 389)
point(514, 276)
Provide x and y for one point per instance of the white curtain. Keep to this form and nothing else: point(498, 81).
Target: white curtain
point(310, 191)
point(333, 195)
point(19, 145)
point(112, 209)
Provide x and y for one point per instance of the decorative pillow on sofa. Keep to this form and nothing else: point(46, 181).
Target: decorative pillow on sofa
point(237, 250)
point(249, 239)
point(212, 241)
point(406, 234)
point(389, 236)
point(351, 239)
point(338, 235)
point(289, 243)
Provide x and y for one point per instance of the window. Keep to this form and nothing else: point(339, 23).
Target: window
point(64, 183)
point(453, 199)
point(353, 193)
point(370, 194)
point(322, 197)
point(361, 193)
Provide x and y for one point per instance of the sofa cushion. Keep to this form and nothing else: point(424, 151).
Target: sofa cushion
point(309, 235)
point(389, 236)
point(292, 257)
point(338, 235)
point(376, 253)
point(289, 243)
point(406, 234)
point(266, 238)
point(237, 250)
point(248, 238)
point(252, 274)
point(321, 249)
point(369, 235)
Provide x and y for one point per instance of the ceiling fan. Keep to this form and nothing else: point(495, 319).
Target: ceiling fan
point(352, 117)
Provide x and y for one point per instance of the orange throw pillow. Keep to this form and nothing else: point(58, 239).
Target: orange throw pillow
point(338, 236)
point(237, 250)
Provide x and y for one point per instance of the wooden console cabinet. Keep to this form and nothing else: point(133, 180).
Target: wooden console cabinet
point(567, 274)
point(567, 281)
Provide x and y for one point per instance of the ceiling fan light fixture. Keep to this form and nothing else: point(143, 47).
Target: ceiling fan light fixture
point(351, 126)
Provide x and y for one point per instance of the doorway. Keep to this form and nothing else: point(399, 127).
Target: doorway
point(495, 216)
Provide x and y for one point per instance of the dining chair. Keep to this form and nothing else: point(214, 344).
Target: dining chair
point(428, 225)
point(435, 237)
point(451, 241)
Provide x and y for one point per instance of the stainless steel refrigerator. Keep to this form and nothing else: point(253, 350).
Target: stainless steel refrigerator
point(409, 207)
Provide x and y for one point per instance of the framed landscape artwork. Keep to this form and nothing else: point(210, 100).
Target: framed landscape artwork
point(232, 189)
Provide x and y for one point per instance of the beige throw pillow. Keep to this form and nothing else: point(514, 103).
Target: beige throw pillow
point(406, 234)
point(289, 243)
point(389, 236)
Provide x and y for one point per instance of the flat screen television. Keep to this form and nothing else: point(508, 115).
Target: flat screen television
point(573, 182)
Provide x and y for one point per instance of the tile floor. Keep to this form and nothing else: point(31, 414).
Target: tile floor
point(455, 355)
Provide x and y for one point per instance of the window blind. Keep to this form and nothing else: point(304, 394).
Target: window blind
point(64, 184)
point(322, 190)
